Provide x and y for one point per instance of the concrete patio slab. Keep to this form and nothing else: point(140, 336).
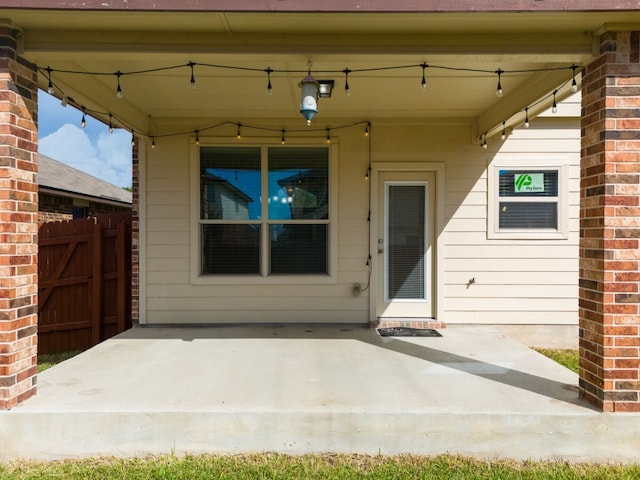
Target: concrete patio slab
point(298, 389)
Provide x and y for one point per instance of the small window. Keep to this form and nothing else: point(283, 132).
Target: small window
point(528, 203)
point(528, 199)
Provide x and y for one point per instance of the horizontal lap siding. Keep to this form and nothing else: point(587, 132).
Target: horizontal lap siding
point(171, 298)
point(516, 281)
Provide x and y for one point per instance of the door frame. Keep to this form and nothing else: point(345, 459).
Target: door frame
point(438, 169)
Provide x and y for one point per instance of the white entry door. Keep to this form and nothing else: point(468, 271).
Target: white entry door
point(405, 245)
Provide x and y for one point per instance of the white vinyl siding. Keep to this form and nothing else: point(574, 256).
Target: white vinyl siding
point(516, 281)
point(531, 281)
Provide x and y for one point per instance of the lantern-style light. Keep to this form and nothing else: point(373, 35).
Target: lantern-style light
point(309, 92)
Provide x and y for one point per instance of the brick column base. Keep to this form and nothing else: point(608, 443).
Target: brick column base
point(609, 294)
point(18, 223)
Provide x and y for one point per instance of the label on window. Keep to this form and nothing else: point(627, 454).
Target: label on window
point(529, 182)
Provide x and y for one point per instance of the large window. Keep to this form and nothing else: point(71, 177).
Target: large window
point(529, 203)
point(264, 211)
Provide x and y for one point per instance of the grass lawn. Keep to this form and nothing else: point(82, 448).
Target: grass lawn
point(343, 467)
point(48, 360)
point(567, 358)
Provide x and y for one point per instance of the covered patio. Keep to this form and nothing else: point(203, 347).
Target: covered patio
point(313, 388)
point(487, 72)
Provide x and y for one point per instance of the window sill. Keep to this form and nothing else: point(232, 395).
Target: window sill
point(258, 280)
point(527, 235)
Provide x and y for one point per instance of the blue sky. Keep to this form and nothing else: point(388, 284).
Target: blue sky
point(91, 149)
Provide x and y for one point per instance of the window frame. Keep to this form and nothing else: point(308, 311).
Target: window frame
point(561, 200)
point(264, 277)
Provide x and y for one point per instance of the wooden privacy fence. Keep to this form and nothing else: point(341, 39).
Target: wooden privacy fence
point(84, 289)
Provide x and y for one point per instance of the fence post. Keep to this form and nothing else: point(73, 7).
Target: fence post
point(96, 284)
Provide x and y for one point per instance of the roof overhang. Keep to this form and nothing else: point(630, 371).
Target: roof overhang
point(233, 46)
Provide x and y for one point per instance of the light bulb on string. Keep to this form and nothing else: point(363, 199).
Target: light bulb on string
point(118, 74)
point(153, 142)
point(347, 89)
point(50, 85)
point(504, 131)
point(526, 117)
point(269, 88)
point(110, 124)
point(423, 83)
point(238, 135)
point(133, 138)
point(192, 81)
point(282, 140)
point(197, 137)
point(328, 136)
point(83, 122)
point(65, 101)
point(499, 72)
point(574, 84)
point(366, 129)
point(484, 144)
point(554, 108)
point(367, 173)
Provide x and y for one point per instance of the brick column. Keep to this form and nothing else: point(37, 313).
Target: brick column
point(18, 223)
point(135, 235)
point(609, 292)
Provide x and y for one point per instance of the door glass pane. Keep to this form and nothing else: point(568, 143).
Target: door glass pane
point(406, 242)
point(298, 183)
point(230, 183)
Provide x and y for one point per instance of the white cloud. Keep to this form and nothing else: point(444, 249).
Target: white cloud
point(107, 158)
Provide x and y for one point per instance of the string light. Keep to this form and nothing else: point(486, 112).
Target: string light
point(269, 88)
point(366, 129)
point(526, 117)
point(499, 88)
point(83, 122)
point(238, 136)
point(110, 123)
point(504, 131)
point(554, 108)
point(367, 173)
point(347, 90)
point(328, 135)
point(423, 84)
point(50, 86)
point(197, 137)
point(118, 88)
point(193, 78)
point(282, 141)
point(153, 142)
point(65, 100)
point(133, 138)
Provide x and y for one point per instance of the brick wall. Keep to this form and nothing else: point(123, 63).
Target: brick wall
point(18, 223)
point(57, 208)
point(609, 293)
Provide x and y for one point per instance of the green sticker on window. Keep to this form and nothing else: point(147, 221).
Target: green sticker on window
point(529, 182)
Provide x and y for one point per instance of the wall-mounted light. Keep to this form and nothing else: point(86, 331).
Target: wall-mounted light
point(325, 87)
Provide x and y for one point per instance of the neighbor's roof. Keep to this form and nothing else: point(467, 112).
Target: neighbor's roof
point(57, 178)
